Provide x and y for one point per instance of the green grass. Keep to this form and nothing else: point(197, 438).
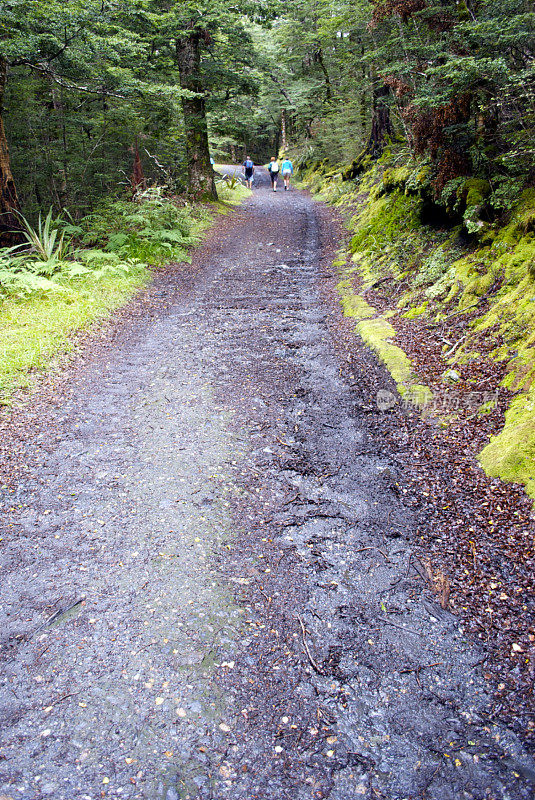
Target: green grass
point(33, 331)
point(115, 252)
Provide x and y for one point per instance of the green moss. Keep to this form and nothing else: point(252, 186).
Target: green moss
point(483, 290)
point(511, 454)
point(475, 191)
point(524, 216)
point(419, 395)
point(384, 235)
point(354, 305)
point(417, 311)
point(486, 408)
point(34, 331)
point(378, 333)
point(420, 178)
point(395, 178)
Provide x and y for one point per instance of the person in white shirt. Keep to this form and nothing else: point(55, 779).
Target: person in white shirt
point(273, 169)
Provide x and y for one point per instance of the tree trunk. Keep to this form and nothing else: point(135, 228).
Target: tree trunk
point(381, 130)
point(200, 172)
point(9, 202)
point(283, 130)
point(63, 199)
point(381, 124)
point(138, 178)
point(321, 62)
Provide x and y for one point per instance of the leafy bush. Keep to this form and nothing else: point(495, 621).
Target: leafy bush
point(230, 180)
point(120, 237)
point(43, 240)
point(153, 228)
point(231, 188)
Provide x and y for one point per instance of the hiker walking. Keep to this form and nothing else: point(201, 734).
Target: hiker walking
point(273, 169)
point(287, 171)
point(248, 168)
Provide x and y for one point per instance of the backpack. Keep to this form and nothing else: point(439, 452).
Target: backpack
point(274, 166)
point(249, 164)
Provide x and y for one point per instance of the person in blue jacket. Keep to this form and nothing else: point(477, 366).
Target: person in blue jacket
point(248, 168)
point(287, 171)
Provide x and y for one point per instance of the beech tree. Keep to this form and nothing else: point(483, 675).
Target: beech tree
point(192, 32)
point(9, 202)
point(87, 87)
point(67, 48)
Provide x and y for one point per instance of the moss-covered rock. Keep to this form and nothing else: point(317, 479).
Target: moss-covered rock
point(416, 311)
point(472, 195)
point(359, 165)
point(511, 454)
point(395, 178)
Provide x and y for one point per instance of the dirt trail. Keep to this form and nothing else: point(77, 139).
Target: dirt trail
point(208, 588)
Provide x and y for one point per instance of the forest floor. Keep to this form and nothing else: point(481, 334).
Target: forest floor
point(212, 555)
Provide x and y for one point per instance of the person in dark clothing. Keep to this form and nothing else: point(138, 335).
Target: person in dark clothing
point(248, 168)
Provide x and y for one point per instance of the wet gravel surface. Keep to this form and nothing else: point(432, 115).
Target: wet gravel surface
point(208, 582)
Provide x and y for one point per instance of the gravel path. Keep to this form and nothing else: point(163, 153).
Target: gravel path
point(208, 589)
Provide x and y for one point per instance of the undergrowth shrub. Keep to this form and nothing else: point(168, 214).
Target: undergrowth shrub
point(153, 228)
point(432, 268)
point(120, 237)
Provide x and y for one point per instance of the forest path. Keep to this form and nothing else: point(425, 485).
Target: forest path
point(208, 589)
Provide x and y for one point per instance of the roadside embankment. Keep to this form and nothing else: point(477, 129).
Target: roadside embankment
point(444, 291)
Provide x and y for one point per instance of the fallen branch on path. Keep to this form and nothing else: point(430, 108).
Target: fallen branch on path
point(61, 699)
point(400, 627)
point(315, 666)
point(362, 549)
point(60, 613)
point(290, 501)
point(421, 667)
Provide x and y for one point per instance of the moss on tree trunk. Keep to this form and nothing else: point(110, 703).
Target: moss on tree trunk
point(9, 202)
point(200, 172)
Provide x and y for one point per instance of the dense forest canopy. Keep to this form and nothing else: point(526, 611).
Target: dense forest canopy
point(98, 97)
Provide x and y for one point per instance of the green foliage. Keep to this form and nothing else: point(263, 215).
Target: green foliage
point(37, 322)
point(433, 267)
point(482, 289)
point(230, 181)
point(152, 229)
point(456, 85)
point(39, 316)
point(45, 246)
point(122, 237)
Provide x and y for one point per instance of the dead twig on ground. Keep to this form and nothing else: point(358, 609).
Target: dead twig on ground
point(362, 549)
point(420, 668)
point(315, 666)
point(265, 595)
point(59, 613)
point(280, 441)
point(61, 699)
point(400, 627)
point(291, 500)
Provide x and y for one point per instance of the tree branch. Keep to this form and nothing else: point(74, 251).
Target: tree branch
point(44, 70)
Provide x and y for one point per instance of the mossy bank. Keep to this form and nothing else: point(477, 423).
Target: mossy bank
point(443, 288)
